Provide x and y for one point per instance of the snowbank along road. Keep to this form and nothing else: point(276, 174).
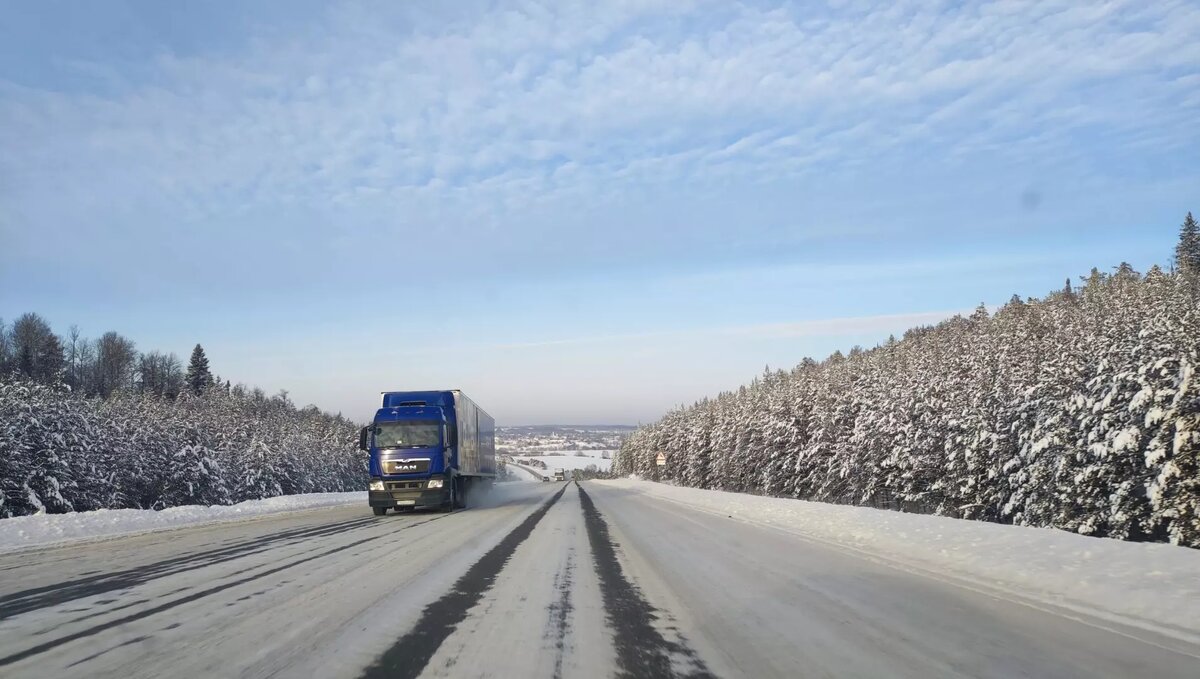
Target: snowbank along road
point(541, 580)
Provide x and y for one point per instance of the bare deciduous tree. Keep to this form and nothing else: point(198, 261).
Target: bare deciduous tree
point(115, 363)
point(35, 348)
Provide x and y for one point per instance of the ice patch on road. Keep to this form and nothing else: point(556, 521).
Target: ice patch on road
point(42, 530)
point(1150, 585)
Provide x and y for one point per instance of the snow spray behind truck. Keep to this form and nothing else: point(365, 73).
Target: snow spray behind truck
point(428, 449)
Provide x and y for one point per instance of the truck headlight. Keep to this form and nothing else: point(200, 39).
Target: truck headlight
point(435, 483)
point(376, 484)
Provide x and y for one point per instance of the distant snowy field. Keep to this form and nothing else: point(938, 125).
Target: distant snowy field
point(565, 447)
point(42, 530)
point(1149, 585)
point(569, 460)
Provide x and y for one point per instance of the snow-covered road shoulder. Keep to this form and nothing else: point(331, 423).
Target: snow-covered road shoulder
point(1151, 586)
point(44, 530)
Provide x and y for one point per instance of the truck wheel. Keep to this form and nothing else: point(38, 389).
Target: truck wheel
point(379, 511)
point(452, 501)
point(461, 497)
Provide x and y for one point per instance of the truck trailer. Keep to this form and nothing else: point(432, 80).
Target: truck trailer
point(428, 449)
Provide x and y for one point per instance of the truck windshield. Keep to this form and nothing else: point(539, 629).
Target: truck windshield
point(407, 434)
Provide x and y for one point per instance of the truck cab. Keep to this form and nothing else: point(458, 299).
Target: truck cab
point(427, 449)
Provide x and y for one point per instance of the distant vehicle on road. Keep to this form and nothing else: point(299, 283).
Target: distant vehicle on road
point(428, 449)
point(560, 475)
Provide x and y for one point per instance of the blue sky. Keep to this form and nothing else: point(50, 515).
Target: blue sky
point(578, 212)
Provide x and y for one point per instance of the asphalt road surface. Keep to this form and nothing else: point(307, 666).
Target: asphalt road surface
point(541, 580)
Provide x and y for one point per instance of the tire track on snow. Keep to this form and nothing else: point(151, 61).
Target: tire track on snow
point(408, 657)
point(641, 649)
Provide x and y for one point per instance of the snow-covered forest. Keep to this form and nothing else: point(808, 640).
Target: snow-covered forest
point(1079, 411)
point(98, 426)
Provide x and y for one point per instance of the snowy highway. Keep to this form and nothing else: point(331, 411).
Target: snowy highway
point(541, 580)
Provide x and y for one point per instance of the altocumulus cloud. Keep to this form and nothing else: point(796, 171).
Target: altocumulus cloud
point(496, 109)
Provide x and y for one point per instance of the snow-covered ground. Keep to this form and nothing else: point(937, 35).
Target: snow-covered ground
point(1153, 586)
point(544, 579)
point(523, 474)
point(46, 529)
point(538, 439)
point(569, 459)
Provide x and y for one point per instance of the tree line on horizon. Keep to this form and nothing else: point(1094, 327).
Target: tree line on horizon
point(93, 424)
point(1078, 411)
point(29, 349)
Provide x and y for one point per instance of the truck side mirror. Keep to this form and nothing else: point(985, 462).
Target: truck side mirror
point(450, 435)
point(363, 437)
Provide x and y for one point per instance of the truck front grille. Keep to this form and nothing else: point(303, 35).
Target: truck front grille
point(405, 485)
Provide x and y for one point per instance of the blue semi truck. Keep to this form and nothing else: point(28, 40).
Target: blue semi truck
point(428, 449)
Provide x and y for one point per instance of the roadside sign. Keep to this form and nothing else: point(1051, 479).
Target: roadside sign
point(661, 460)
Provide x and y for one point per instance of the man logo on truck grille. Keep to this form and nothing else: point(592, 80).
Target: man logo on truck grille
point(405, 466)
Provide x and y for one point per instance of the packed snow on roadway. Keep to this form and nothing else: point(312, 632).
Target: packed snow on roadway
point(47, 529)
point(1151, 585)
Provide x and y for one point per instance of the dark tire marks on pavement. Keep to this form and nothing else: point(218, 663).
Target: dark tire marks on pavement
point(561, 610)
point(409, 656)
point(641, 650)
